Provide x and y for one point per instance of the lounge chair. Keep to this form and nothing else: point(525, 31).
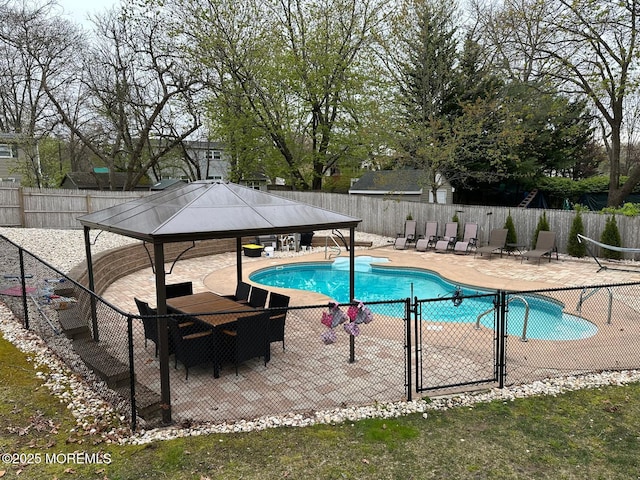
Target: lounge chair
point(497, 242)
point(408, 236)
point(469, 239)
point(448, 240)
point(428, 240)
point(545, 246)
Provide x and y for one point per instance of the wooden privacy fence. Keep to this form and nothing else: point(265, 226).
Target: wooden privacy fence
point(52, 207)
point(56, 208)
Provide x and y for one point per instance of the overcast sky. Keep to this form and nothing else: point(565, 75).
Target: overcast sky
point(79, 9)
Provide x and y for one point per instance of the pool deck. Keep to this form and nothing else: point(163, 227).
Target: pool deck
point(217, 273)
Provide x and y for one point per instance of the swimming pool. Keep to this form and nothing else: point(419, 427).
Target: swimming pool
point(376, 282)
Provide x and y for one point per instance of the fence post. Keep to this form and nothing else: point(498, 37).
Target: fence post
point(21, 212)
point(408, 372)
point(501, 336)
point(132, 373)
point(23, 284)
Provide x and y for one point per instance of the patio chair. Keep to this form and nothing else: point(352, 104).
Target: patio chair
point(249, 339)
point(545, 246)
point(243, 290)
point(191, 349)
point(497, 242)
point(448, 240)
point(179, 289)
point(409, 235)
point(469, 239)
point(428, 240)
point(149, 322)
point(277, 317)
point(258, 297)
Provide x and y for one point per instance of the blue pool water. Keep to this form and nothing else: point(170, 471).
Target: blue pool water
point(376, 282)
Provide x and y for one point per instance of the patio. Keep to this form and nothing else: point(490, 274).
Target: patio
point(322, 371)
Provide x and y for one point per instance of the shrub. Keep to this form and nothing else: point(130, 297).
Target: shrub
point(628, 210)
point(455, 219)
point(611, 236)
point(511, 230)
point(543, 224)
point(574, 247)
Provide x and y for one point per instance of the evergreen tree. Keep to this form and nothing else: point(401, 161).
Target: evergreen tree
point(511, 231)
point(611, 236)
point(543, 224)
point(576, 248)
point(457, 220)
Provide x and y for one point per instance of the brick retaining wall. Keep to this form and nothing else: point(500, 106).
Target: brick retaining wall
point(114, 264)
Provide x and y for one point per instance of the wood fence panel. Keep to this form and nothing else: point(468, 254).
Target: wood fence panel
point(10, 211)
point(56, 208)
point(386, 217)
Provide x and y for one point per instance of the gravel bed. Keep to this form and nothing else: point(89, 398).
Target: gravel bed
point(100, 419)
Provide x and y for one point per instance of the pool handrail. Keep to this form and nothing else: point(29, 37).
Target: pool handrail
point(583, 297)
point(523, 338)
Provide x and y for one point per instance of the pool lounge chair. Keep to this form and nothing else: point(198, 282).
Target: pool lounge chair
point(545, 246)
point(448, 240)
point(497, 242)
point(407, 237)
point(469, 239)
point(428, 240)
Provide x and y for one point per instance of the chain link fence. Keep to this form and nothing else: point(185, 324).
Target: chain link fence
point(330, 356)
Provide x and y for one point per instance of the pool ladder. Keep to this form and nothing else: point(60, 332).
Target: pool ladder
point(523, 338)
point(333, 250)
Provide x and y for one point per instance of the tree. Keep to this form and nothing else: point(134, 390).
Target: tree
point(36, 46)
point(423, 49)
point(290, 75)
point(576, 248)
point(585, 48)
point(512, 237)
point(611, 236)
point(138, 96)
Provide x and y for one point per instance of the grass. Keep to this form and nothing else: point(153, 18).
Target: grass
point(584, 434)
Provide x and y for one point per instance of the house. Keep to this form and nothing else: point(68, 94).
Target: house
point(167, 184)
point(10, 155)
point(402, 184)
point(201, 160)
point(98, 180)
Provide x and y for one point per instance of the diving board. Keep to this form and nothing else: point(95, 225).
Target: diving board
point(587, 241)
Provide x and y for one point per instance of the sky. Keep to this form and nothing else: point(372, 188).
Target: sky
point(78, 10)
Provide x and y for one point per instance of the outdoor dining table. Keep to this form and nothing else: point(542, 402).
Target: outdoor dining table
point(206, 303)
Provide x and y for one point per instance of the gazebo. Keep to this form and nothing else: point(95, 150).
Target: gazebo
point(200, 211)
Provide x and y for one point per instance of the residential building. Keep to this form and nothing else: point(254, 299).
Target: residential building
point(401, 184)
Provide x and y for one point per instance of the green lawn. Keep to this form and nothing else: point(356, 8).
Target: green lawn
point(578, 435)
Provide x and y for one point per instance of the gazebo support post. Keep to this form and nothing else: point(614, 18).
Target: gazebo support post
point(92, 299)
point(352, 288)
point(238, 260)
point(163, 337)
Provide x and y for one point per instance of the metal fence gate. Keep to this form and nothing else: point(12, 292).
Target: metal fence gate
point(458, 341)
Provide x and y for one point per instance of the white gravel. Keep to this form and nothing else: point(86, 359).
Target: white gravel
point(95, 417)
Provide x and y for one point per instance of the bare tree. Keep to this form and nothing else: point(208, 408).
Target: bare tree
point(138, 96)
point(36, 46)
point(585, 48)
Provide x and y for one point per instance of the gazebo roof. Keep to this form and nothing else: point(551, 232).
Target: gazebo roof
point(202, 210)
